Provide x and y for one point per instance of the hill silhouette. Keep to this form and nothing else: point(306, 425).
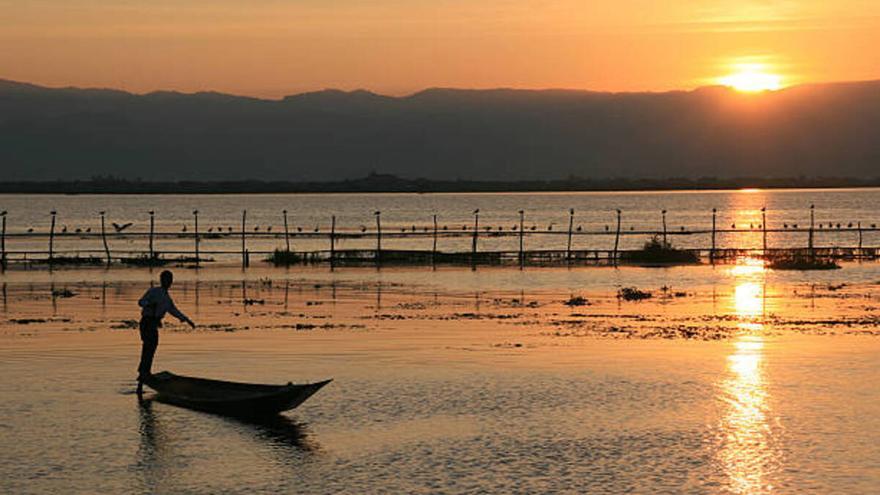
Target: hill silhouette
point(439, 134)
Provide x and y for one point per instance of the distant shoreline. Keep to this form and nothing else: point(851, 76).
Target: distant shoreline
point(381, 183)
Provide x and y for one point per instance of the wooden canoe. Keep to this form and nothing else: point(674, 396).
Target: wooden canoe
point(233, 398)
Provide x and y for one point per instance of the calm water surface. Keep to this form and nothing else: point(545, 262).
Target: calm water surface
point(450, 405)
point(547, 212)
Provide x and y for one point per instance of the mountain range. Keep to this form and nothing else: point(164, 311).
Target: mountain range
point(816, 130)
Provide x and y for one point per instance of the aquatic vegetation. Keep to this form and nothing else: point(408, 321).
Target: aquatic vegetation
point(802, 262)
point(633, 294)
point(125, 325)
point(73, 260)
point(577, 301)
point(659, 251)
point(282, 257)
point(144, 260)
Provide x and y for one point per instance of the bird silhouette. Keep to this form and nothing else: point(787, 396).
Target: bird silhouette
point(838, 226)
point(785, 226)
point(873, 225)
point(30, 229)
point(88, 230)
point(534, 227)
point(64, 229)
point(513, 228)
point(579, 228)
point(445, 227)
point(256, 228)
point(794, 225)
point(682, 228)
point(299, 229)
point(183, 229)
point(849, 226)
point(120, 228)
point(210, 229)
point(78, 230)
point(607, 228)
point(317, 229)
point(363, 229)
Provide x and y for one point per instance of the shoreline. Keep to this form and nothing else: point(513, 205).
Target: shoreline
point(395, 185)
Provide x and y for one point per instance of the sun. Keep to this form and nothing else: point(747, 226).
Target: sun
point(752, 78)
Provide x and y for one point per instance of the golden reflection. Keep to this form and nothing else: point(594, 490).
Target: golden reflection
point(747, 453)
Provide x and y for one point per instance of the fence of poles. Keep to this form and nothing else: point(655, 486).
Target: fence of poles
point(474, 256)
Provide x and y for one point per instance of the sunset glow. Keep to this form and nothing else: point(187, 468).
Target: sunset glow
point(752, 78)
point(276, 48)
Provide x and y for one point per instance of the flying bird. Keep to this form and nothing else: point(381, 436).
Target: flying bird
point(120, 228)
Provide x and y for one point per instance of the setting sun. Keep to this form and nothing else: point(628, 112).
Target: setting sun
point(752, 78)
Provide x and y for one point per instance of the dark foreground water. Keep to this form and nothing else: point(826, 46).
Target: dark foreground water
point(453, 393)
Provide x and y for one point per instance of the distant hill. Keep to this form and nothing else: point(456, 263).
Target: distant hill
point(440, 134)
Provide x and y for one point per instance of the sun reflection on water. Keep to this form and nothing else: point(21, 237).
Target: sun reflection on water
point(747, 450)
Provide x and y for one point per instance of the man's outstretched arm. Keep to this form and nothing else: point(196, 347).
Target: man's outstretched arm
point(178, 314)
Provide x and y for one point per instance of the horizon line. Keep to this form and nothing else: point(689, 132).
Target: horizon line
point(431, 88)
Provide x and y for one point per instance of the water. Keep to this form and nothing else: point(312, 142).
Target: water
point(548, 212)
point(453, 381)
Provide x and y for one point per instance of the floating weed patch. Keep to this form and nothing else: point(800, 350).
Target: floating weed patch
point(125, 325)
point(633, 294)
point(576, 301)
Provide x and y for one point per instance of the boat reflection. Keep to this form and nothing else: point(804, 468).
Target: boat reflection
point(164, 451)
point(747, 453)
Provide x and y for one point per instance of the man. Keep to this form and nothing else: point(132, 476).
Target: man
point(155, 303)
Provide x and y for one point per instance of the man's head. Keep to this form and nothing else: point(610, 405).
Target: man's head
point(166, 278)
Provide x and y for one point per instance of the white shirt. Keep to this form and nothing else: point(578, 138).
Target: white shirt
point(156, 302)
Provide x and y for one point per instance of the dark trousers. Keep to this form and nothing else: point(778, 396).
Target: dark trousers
point(150, 341)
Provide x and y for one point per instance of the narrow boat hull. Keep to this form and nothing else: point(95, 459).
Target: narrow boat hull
point(232, 398)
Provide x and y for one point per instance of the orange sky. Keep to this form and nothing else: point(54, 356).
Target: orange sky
point(269, 48)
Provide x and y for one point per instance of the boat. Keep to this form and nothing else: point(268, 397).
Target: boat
point(231, 398)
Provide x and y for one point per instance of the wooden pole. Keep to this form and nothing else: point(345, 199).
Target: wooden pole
point(52, 237)
point(3, 242)
point(244, 256)
point(663, 214)
point(714, 219)
point(616, 239)
point(104, 238)
point(152, 232)
point(522, 254)
point(859, 226)
point(286, 231)
point(812, 227)
point(764, 229)
point(332, 240)
point(434, 246)
point(570, 230)
point(378, 237)
point(196, 216)
point(476, 234)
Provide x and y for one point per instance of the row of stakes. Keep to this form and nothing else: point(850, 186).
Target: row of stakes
point(377, 214)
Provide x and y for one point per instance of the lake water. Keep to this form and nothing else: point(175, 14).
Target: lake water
point(547, 213)
point(729, 379)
